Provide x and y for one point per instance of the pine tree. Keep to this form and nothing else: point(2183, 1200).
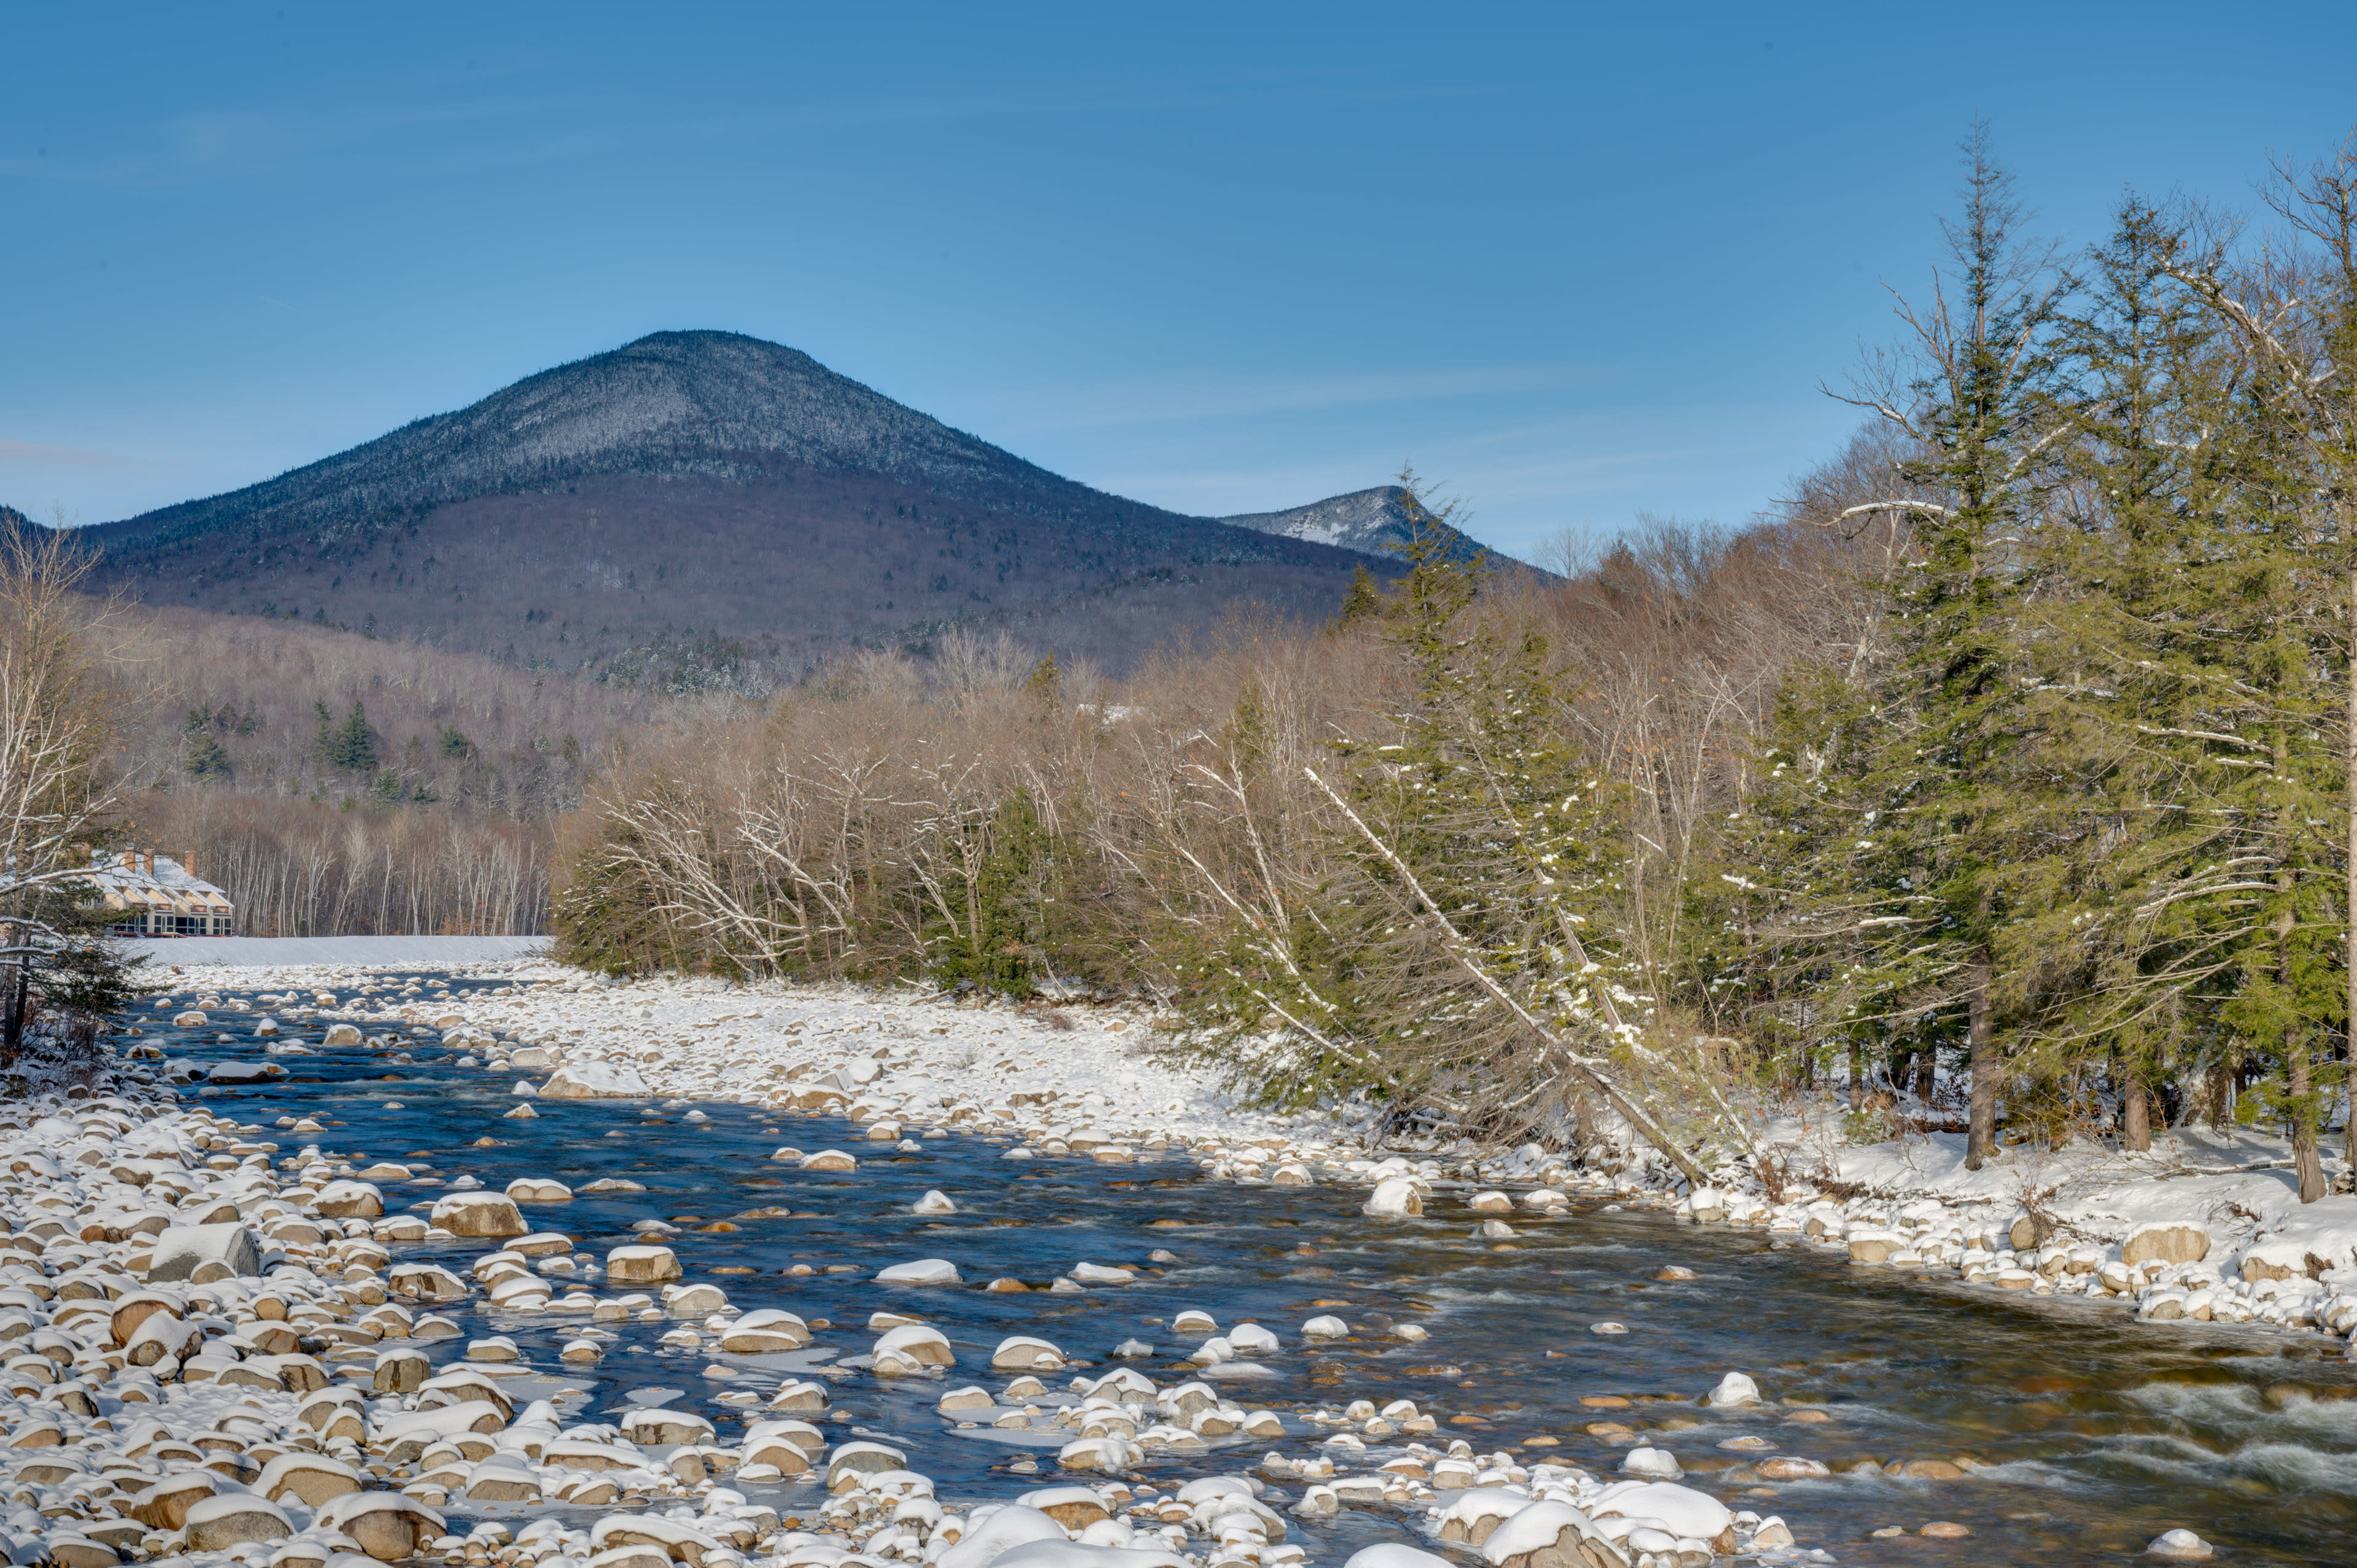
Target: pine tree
point(1364, 600)
point(1045, 683)
point(1978, 403)
point(2122, 666)
point(348, 745)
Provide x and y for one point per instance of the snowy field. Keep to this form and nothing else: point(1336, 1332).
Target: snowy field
point(277, 952)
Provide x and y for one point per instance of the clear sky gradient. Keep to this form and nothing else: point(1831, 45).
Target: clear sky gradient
point(1573, 261)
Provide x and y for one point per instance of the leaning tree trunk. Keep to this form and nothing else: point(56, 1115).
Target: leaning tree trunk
point(1980, 1140)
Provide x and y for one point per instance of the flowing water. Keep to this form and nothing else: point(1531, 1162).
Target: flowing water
point(2091, 1434)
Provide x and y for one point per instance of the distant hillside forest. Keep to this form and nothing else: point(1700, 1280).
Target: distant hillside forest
point(334, 782)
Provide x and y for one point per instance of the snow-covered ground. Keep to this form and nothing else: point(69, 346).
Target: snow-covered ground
point(275, 953)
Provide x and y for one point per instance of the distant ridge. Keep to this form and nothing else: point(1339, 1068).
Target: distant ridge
point(1373, 523)
point(713, 487)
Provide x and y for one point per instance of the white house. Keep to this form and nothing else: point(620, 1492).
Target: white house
point(169, 899)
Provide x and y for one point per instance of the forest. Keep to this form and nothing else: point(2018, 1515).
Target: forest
point(2003, 774)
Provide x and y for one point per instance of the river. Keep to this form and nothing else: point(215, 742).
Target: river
point(2084, 1434)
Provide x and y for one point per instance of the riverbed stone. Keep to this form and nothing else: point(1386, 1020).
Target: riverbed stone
point(204, 1254)
point(765, 1332)
point(350, 1199)
point(641, 1265)
point(2180, 1544)
point(310, 1479)
point(1735, 1389)
point(923, 1272)
point(217, 1523)
point(2165, 1241)
point(478, 1214)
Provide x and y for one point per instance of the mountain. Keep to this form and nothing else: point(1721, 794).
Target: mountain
point(1369, 522)
point(1373, 523)
point(698, 487)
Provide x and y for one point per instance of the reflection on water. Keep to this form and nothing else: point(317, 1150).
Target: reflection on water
point(2080, 1435)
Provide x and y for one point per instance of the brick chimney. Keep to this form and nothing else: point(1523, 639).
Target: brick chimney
point(188, 863)
point(151, 863)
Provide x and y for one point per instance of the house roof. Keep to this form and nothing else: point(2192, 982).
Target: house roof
point(173, 886)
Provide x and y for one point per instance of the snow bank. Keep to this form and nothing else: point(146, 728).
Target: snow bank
point(257, 952)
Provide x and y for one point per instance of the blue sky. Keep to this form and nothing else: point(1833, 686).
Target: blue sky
point(1574, 262)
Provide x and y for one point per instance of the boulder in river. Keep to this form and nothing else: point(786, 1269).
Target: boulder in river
point(1735, 1389)
point(2181, 1544)
point(1397, 1199)
point(910, 1349)
point(923, 1272)
point(769, 1331)
point(1024, 1353)
point(641, 1265)
point(478, 1214)
point(594, 1080)
point(1682, 1510)
point(351, 1201)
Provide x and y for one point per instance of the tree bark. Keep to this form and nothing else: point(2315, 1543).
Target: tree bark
point(2135, 1115)
point(1980, 1141)
point(1927, 1073)
point(12, 1039)
point(1857, 1077)
point(2348, 904)
point(2305, 1157)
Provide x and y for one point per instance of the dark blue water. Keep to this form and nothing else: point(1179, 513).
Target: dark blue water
point(2090, 1433)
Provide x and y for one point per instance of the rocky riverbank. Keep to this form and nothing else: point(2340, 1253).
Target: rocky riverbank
point(223, 1354)
point(223, 1357)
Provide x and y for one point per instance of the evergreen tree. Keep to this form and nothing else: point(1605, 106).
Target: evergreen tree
point(2123, 668)
point(348, 745)
point(204, 757)
point(1977, 400)
point(1045, 683)
point(1364, 600)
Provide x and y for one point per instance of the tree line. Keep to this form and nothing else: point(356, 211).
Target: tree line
point(2003, 774)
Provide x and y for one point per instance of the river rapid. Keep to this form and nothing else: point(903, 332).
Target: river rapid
point(2081, 1435)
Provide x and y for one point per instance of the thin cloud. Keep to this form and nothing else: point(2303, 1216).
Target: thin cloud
point(1173, 400)
point(35, 454)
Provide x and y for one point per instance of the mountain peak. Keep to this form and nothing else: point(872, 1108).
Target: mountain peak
point(711, 485)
